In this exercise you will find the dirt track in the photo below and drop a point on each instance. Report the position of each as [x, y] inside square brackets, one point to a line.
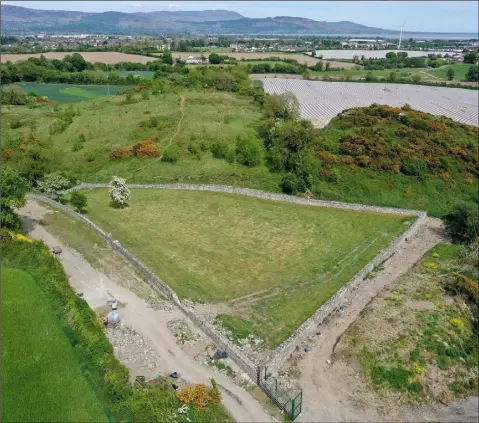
[331, 391]
[97, 288]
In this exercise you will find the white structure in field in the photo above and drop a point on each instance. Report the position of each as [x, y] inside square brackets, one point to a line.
[321, 101]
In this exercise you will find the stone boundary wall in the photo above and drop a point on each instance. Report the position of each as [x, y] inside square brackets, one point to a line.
[233, 351]
[277, 358]
[309, 327]
[264, 195]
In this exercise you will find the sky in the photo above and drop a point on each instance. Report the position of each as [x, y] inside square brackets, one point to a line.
[424, 16]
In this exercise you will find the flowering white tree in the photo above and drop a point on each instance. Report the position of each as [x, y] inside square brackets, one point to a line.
[118, 191]
[53, 184]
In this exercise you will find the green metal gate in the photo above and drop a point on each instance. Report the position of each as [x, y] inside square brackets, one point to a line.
[283, 399]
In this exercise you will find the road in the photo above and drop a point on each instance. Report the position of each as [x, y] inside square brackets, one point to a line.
[97, 288]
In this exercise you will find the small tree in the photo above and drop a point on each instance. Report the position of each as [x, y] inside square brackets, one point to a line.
[79, 201]
[470, 57]
[327, 66]
[14, 95]
[53, 184]
[472, 73]
[450, 74]
[167, 57]
[119, 192]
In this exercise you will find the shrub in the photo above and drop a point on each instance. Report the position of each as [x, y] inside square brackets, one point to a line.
[463, 223]
[219, 149]
[145, 95]
[120, 153]
[363, 161]
[78, 200]
[53, 183]
[14, 95]
[248, 152]
[200, 396]
[414, 167]
[77, 147]
[292, 184]
[282, 106]
[119, 192]
[16, 123]
[146, 148]
[170, 156]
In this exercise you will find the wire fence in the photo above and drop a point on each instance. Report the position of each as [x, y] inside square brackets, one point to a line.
[290, 404]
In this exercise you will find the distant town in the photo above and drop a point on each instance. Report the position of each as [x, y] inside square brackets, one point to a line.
[45, 42]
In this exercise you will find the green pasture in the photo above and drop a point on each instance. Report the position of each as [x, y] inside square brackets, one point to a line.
[41, 377]
[216, 247]
[460, 70]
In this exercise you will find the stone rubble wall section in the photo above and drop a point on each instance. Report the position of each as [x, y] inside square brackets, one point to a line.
[281, 354]
[233, 351]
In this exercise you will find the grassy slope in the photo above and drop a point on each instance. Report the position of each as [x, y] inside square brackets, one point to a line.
[407, 342]
[216, 247]
[108, 125]
[41, 378]
[460, 70]
[213, 116]
[368, 186]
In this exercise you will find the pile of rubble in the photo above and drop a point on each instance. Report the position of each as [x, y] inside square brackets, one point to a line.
[131, 349]
[159, 304]
[182, 332]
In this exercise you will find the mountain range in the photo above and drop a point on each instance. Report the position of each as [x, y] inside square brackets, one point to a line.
[15, 20]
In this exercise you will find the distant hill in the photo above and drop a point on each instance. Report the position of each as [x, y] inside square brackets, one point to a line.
[15, 19]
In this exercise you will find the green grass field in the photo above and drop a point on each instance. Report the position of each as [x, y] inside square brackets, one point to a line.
[460, 70]
[216, 247]
[65, 93]
[41, 378]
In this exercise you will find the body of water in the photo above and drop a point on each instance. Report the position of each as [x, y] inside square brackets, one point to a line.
[372, 54]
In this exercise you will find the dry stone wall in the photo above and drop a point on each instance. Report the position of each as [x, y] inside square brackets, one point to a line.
[264, 195]
[309, 327]
[277, 358]
[233, 351]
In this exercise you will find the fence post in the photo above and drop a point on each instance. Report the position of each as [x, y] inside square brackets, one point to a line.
[292, 409]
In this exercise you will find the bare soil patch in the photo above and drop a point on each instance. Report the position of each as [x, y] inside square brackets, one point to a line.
[108, 57]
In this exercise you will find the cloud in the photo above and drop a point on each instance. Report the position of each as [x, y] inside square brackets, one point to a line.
[137, 5]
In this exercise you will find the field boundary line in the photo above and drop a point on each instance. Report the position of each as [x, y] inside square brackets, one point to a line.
[274, 361]
[263, 195]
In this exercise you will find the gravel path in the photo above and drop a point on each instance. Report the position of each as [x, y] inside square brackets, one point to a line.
[150, 324]
[329, 390]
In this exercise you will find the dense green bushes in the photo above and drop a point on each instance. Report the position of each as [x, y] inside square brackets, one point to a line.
[108, 377]
[463, 223]
[99, 366]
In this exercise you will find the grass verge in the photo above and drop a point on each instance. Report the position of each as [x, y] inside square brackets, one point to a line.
[91, 351]
[41, 379]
